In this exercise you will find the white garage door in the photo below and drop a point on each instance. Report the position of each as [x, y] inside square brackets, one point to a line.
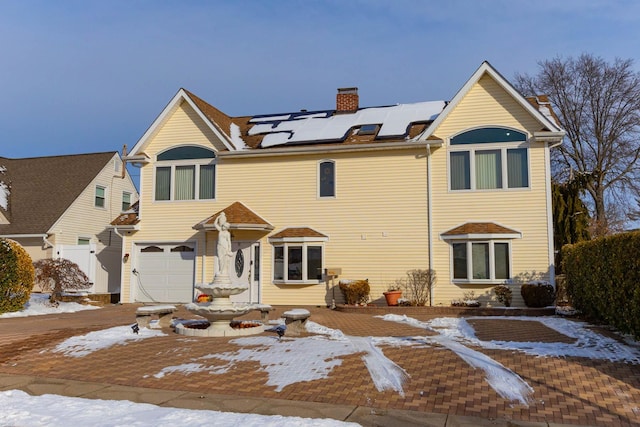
[165, 273]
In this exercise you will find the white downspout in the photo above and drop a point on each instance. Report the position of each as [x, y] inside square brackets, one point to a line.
[429, 219]
[47, 242]
[122, 253]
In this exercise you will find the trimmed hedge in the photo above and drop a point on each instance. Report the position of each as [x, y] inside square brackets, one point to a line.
[537, 295]
[16, 276]
[603, 279]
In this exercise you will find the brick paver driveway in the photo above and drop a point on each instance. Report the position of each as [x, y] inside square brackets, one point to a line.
[569, 390]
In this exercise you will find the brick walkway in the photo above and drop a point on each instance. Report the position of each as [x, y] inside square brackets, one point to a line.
[567, 390]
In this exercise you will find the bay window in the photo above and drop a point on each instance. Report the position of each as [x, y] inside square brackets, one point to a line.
[297, 263]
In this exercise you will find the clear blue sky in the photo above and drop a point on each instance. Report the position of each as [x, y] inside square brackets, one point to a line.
[88, 76]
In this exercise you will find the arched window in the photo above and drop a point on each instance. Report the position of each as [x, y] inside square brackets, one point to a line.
[185, 173]
[327, 178]
[488, 159]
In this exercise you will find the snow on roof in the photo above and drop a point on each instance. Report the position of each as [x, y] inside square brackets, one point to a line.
[320, 126]
[4, 191]
[236, 139]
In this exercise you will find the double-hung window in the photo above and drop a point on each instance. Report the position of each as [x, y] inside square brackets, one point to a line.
[185, 173]
[298, 259]
[100, 197]
[489, 159]
[126, 200]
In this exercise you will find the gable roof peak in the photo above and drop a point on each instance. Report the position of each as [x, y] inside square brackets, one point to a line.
[487, 69]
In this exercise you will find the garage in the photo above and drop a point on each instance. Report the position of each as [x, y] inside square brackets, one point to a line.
[164, 273]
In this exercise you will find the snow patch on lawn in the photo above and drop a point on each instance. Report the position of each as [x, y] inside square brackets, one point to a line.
[38, 305]
[82, 345]
[20, 409]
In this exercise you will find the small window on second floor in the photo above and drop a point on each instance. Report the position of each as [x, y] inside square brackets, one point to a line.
[126, 200]
[100, 197]
[327, 179]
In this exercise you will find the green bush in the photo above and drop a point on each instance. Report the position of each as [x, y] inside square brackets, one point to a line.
[355, 291]
[503, 294]
[603, 279]
[16, 276]
[539, 294]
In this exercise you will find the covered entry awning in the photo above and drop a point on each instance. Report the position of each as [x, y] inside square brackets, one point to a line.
[239, 217]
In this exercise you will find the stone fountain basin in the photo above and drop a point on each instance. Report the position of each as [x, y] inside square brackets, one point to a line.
[213, 313]
[220, 291]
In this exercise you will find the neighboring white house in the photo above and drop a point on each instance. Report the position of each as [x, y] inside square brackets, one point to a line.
[61, 206]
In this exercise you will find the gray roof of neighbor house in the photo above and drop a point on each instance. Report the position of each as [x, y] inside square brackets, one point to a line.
[42, 188]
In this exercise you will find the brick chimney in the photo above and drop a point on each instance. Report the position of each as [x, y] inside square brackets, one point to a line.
[347, 100]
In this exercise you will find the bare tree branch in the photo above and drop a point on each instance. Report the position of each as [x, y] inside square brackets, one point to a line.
[598, 105]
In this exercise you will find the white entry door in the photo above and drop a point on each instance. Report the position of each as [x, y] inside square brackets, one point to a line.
[244, 270]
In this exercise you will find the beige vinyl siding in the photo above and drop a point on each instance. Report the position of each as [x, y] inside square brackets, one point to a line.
[523, 210]
[184, 127]
[486, 104]
[366, 226]
[83, 220]
[377, 223]
[34, 246]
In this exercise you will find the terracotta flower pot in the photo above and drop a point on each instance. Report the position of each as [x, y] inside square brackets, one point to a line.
[392, 297]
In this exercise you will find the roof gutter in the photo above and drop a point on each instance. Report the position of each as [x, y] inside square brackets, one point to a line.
[300, 150]
[135, 227]
[44, 238]
[553, 138]
[232, 226]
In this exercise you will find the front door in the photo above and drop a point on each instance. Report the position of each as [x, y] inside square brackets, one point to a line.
[244, 270]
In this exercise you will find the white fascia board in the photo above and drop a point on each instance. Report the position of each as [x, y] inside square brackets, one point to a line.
[226, 140]
[485, 67]
[24, 236]
[481, 236]
[233, 226]
[162, 117]
[297, 239]
[134, 227]
[310, 149]
[166, 113]
[554, 138]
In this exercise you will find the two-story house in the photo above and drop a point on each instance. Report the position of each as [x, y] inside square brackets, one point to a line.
[460, 187]
[61, 207]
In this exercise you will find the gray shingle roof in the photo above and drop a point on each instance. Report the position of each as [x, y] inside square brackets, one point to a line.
[42, 188]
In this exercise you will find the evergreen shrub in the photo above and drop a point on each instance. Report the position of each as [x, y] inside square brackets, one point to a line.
[537, 295]
[603, 279]
[16, 276]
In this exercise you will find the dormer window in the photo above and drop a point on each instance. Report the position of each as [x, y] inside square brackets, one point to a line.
[185, 173]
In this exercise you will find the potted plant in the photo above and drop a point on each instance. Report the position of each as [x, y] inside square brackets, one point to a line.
[393, 294]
